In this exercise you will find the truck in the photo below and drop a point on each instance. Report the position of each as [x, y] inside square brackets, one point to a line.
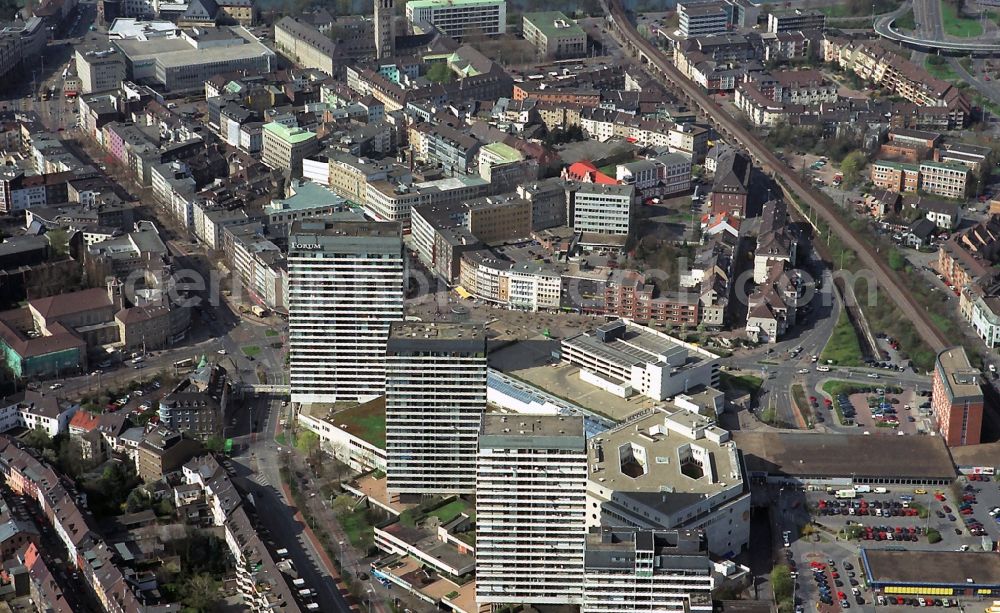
[881, 490]
[848, 493]
[862, 489]
[259, 311]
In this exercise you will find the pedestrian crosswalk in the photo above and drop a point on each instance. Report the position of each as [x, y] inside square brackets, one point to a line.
[261, 479]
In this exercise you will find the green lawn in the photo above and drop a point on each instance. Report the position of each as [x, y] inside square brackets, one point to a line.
[843, 348]
[270, 332]
[994, 16]
[365, 421]
[799, 395]
[357, 529]
[941, 71]
[251, 351]
[740, 384]
[906, 21]
[956, 25]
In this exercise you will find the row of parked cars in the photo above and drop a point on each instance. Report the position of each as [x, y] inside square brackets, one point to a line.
[916, 602]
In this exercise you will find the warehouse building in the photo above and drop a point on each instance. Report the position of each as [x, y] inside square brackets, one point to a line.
[932, 573]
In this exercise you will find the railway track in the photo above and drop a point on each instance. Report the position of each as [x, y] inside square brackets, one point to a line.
[652, 57]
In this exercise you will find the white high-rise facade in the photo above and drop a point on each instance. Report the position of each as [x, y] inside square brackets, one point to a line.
[345, 288]
[435, 398]
[653, 571]
[531, 508]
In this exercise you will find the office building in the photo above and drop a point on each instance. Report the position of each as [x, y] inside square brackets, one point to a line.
[385, 30]
[99, 69]
[624, 358]
[285, 147]
[602, 209]
[554, 35]
[794, 21]
[435, 387]
[947, 179]
[957, 398]
[185, 62]
[646, 570]
[345, 289]
[670, 471]
[531, 507]
[460, 18]
[702, 18]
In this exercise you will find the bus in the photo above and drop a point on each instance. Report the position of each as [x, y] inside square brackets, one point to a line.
[184, 363]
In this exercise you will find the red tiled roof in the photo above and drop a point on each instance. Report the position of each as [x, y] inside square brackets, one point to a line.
[587, 172]
[84, 420]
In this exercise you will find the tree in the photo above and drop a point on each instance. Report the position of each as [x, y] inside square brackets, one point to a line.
[138, 500]
[781, 583]
[852, 166]
[440, 72]
[933, 536]
[37, 438]
[201, 593]
[896, 260]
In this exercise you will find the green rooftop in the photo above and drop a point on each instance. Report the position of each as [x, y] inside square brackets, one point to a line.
[365, 421]
[897, 165]
[293, 136]
[946, 165]
[554, 24]
[433, 508]
[506, 153]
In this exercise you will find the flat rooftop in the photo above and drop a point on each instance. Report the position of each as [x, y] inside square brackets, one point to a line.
[967, 569]
[342, 228]
[532, 432]
[199, 46]
[432, 330]
[815, 455]
[554, 24]
[635, 345]
[958, 375]
[650, 457]
[365, 421]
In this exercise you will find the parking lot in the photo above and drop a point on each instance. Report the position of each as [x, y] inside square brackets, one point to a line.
[889, 413]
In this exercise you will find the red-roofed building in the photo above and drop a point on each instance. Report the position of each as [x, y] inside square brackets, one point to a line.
[83, 422]
[586, 172]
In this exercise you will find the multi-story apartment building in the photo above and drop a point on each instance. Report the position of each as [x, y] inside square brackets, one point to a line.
[554, 35]
[629, 569]
[285, 147]
[702, 18]
[460, 18]
[623, 358]
[527, 286]
[602, 209]
[970, 254]
[345, 289]
[531, 510]
[947, 179]
[629, 296]
[688, 139]
[701, 484]
[435, 396]
[957, 398]
[453, 149]
[239, 11]
[982, 310]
